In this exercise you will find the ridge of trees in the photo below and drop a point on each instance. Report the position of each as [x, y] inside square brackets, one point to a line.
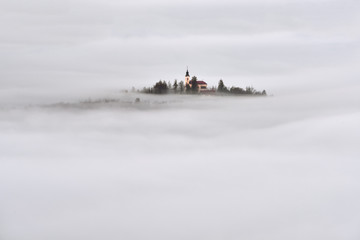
[161, 87]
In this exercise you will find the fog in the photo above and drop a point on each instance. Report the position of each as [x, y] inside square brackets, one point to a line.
[176, 167]
[81, 159]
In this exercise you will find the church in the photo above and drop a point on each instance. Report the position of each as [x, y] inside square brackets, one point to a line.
[202, 86]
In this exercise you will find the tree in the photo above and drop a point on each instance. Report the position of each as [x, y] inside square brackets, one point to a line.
[146, 90]
[263, 93]
[169, 85]
[175, 86]
[249, 90]
[194, 85]
[221, 87]
[181, 86]
[237, 90]
[160, 87]
[187, 88]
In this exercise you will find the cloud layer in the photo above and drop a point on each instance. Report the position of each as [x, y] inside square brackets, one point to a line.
[183, 167]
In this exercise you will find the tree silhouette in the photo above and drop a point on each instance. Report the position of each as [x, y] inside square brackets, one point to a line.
[160, 87]
[221, 87]
[194, 85]
[175, 86]
[237, 90]
[250, 90]
[181, 86]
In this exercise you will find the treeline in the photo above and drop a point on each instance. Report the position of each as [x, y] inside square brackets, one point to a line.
[163, 87]
[238, 90]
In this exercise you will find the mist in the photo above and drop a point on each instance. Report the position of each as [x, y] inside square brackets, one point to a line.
[81, 158]
[182, 167]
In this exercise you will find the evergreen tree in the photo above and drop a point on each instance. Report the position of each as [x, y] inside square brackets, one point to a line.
[221, 87]
[175, 86]
[249, 90]
[194, 85]
[160, 87]
[181, 86]
[237, 90]
[146, 90]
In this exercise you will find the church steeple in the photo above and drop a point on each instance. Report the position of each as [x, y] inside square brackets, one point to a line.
[187, 73]
[187, 77]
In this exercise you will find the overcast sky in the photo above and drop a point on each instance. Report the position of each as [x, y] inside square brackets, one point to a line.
[282, 46]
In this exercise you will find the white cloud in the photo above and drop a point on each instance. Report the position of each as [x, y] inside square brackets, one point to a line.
[195, 167]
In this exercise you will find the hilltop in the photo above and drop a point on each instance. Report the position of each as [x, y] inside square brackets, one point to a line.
[195, 86]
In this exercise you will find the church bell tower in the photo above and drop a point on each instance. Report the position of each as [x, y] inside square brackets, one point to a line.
[187, 77]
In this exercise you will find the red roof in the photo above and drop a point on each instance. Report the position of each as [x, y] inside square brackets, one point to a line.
[201, 82]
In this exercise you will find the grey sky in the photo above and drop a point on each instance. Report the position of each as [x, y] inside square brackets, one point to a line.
[48, 46]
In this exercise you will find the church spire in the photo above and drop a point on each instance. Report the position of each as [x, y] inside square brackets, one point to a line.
[187, 72]
[187, 77]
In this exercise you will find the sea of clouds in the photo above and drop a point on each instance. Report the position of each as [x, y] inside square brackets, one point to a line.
[81, 160]
[182, 167]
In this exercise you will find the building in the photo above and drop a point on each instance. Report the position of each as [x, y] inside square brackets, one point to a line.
[202, 86]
